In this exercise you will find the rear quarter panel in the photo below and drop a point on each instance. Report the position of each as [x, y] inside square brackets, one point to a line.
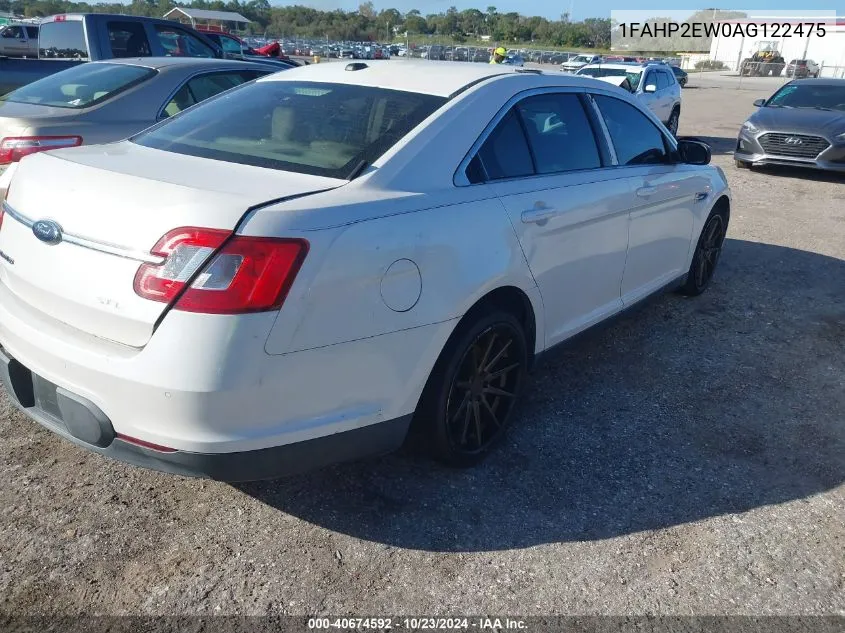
[448, 258]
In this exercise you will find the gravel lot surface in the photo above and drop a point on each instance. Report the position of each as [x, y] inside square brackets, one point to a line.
[689, 459]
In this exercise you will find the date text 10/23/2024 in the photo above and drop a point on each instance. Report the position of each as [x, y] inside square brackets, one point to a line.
[416, 624]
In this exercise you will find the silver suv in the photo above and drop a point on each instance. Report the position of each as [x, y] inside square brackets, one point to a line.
[653, 84]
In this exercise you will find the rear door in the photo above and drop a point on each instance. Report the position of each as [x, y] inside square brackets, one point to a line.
[651, 100]
[664, 94]
[665, 198]
[125, 38]
[569, 207]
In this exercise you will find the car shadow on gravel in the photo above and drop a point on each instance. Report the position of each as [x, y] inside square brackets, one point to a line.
[684, 410]
[718, 144]
[796, 173]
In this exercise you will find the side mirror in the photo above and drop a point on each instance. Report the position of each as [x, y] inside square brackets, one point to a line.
[759, 102]
[650, 88]
[694, 152]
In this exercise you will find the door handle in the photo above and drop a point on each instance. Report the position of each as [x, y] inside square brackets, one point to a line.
[540, 213]
[701, 195]
[645, 192]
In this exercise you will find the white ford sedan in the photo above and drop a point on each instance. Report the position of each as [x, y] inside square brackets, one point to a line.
[305, 268]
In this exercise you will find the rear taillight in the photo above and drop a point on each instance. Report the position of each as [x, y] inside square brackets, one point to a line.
[247, 274]
[13, 148]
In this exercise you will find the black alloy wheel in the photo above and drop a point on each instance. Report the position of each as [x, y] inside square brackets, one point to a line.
[474, 389]
[706, 255]
[674, 120]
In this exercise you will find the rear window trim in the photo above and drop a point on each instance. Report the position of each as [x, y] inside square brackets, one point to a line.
[150, 73]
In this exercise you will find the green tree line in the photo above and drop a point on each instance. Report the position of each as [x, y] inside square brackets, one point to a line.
[364, 24]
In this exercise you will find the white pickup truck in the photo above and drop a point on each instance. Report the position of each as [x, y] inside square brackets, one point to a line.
[19, 40]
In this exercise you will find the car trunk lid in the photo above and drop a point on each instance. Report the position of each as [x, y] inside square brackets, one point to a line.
[112, 204]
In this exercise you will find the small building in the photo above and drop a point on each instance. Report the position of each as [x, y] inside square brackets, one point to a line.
[826, 47]
[222, 21]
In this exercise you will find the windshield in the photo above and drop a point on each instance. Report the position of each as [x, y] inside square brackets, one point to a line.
[80, 86]
[598, 71]
[582, 59]
[824, 97]
[322, 129]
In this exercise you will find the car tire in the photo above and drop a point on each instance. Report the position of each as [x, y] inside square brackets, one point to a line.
[706, 255]
[458, 420]
[674, 121]
[742, 164]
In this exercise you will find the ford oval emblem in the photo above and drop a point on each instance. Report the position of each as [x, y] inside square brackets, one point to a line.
[47, 231]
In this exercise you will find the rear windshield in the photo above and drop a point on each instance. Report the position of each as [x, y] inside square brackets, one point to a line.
[322, 129]
[80, 86]
[62, 40]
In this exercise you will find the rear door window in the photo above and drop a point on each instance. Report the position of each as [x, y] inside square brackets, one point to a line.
[179, 43]
[204, 87]
[32, 32]
[128, 39]
[505, 153]
[62, 40]
[559, 133]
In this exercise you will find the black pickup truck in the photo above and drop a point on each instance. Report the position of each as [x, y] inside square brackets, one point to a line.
[67, 40]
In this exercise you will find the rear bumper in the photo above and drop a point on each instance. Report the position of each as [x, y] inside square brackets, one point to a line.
[80, 421]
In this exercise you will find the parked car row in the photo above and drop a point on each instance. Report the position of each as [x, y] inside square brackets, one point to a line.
[71, 39]
[102, 102]
[203, 296]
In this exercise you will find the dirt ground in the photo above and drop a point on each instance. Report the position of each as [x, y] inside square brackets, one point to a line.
[688, 460]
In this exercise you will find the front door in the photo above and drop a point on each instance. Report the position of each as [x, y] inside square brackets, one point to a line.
[664, 201]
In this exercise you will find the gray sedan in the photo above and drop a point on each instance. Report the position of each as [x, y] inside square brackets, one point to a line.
[801, 125]
[101, 102]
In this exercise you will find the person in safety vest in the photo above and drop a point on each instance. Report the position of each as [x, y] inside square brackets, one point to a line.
[498, 56]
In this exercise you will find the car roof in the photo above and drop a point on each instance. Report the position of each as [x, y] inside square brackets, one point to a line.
[160, 63]
[824, 81]
[444, 79]
[617, 66]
